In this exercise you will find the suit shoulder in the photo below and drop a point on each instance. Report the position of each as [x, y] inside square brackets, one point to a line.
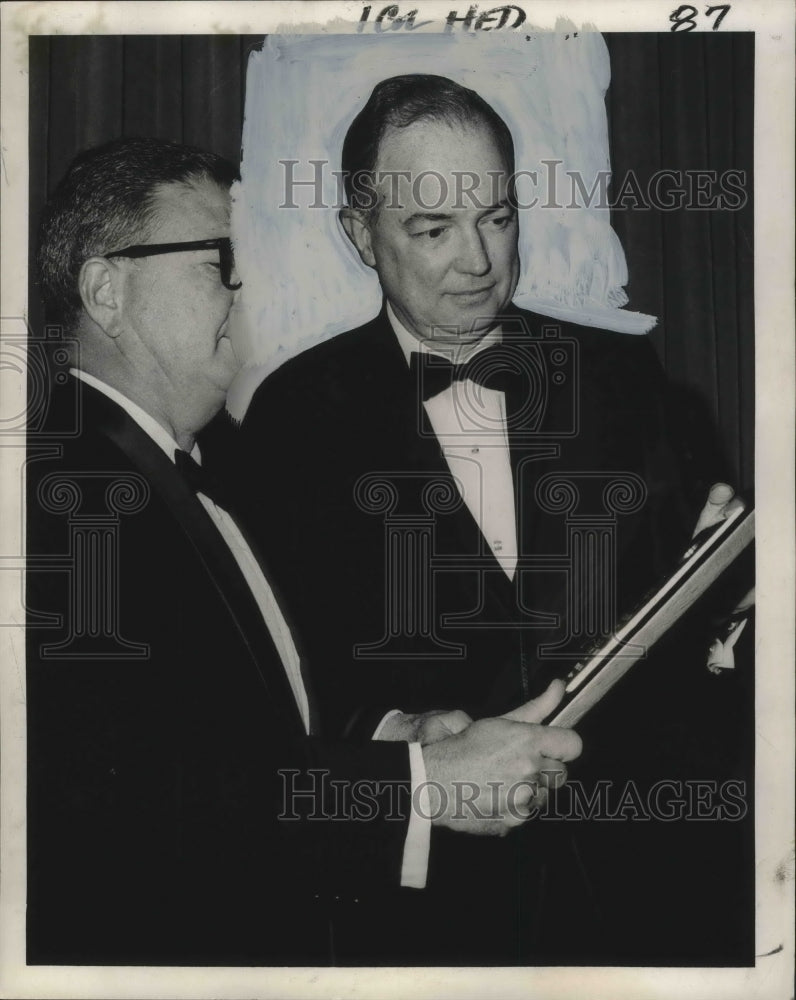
[599, 348]
[589, 335]
[72, 422]
[322, 374]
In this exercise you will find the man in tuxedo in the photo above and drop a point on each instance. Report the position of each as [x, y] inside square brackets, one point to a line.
[477, 492]
[183, 807]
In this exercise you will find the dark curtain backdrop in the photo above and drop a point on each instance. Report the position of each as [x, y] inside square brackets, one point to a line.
[676, 102]
[685, 102]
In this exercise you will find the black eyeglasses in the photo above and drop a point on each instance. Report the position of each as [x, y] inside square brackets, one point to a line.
[223, 244]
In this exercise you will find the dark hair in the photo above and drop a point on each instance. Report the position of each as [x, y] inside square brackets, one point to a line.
[105, 202]
[403, 100]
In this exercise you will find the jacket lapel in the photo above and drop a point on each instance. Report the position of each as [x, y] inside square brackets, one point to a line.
[192, 520]
[415, 447]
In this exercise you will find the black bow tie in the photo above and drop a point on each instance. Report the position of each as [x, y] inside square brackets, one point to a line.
[496, 368]
[200, 480]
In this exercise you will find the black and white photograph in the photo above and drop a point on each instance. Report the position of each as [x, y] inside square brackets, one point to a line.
[397, 489]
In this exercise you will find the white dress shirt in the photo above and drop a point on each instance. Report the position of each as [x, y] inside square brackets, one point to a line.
[469, 422]
[418, 838]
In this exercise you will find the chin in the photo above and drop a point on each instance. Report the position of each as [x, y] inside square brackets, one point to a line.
[474, 326]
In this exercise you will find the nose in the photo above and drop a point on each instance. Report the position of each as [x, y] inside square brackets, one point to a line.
[473, 257]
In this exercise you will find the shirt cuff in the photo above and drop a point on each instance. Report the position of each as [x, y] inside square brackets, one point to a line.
[389, 715]
[414, 869]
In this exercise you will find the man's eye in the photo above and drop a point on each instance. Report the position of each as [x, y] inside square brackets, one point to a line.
[431, 234]
[501, 221]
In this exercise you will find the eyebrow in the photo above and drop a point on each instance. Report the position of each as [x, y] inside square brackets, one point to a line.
[447, 216]
[426, 217]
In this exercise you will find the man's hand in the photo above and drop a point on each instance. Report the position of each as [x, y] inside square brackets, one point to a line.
[487, 778]
[720, 504]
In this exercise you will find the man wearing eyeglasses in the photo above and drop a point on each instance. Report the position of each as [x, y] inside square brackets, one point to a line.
[182, 808]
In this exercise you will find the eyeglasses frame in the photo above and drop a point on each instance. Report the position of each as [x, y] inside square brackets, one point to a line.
[223, 244]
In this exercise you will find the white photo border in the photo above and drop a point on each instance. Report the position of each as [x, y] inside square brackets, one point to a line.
[772, 21]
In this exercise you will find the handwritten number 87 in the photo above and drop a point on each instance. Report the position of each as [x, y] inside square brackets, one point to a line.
[683, 17]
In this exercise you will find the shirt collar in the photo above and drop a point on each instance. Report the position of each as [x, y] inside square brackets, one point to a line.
[456, 353]
[145, 421]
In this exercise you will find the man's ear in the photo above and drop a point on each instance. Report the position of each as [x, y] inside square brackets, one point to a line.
[98, 286]
[357, 229]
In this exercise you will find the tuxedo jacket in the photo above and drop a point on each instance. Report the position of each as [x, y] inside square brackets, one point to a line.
[163, 737]
[339, 454]
[352, 497]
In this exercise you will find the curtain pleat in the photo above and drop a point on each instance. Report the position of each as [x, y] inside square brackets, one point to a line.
[721, 151]
[635, 139]
[743, 249]
[212, 93]
[685, 103]
[86, 96]
[38, 161]
[153, 91]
